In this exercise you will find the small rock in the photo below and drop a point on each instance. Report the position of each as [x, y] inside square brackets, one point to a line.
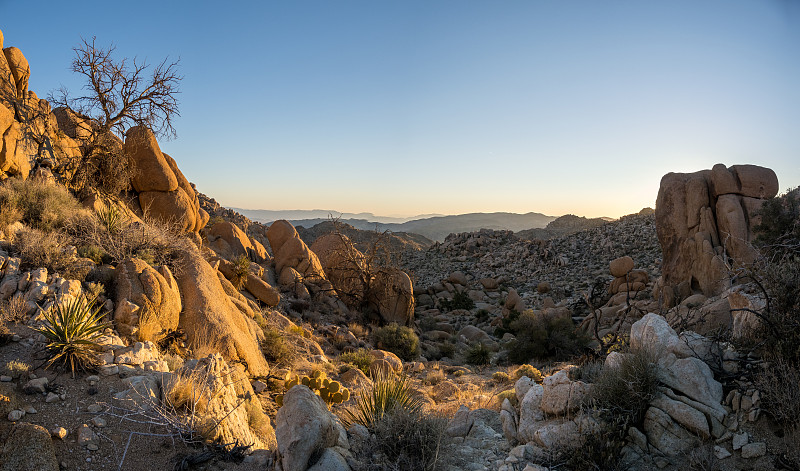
[98, 421]
[754, 450]
[16, 415]
[95, 408]
[15, 338]
[52, 397]
[93, 378]
[85, 435]
[740, 440]
[31, 410]
[754, 415]
[59, 432]
[37, 385]
[259, 386]
[92, 447]
[5, 379]
[721, 452]
[108, 370]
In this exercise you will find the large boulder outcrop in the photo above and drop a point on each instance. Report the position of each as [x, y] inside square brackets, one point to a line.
[163, 192]
[210, 317]
[148, 301]
[705, 220]
[13, 161]
[296, 265]
[20, 70]
[229, 242]
[392, 295]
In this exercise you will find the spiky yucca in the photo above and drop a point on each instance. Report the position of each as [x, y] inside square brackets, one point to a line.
[112, 218]
[388, 393]
[241, 269]
[71, 331]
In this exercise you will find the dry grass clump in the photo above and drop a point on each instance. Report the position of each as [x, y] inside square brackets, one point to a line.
[17, 368]
[434, 377]
[187, 392]
[37, 249]
[509, 394]
[501, 377]
[275, 347]
[14, 309]
[36, 204]
[357, 329]
[780, 392]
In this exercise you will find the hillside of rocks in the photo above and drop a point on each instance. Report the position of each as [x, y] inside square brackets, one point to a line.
[145, 326]
[560, 226]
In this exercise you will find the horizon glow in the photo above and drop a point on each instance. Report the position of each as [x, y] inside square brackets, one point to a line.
[451, 107]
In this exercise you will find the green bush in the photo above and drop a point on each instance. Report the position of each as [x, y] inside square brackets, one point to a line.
[529, 371]
[478, 354]
[460, 301]
[400, 340]
[360, 358]
[275, 348]
[779, 229]
[93, 253]
[542, 337]
[71, 331]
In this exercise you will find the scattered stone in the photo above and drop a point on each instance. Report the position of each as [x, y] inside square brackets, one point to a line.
[16, 415]
[52, 397]
[721, 452]
[94, 408]
[754, 450]
[740, 440]
[36, 386]
[59, 432]
[98, 421]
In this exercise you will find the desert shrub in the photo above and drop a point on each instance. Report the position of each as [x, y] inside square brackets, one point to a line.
[509, 394]
[780, 392]
[275, 348]
[460, 301]
[71, 332]
[779, 229]
[529, 371]
[434, 377]
[427, 323]
[597, 449]
[241, 269]
[155, 242]
[400, 340]
[407, 440]
[360, 358]
[93, 253]
[501, 377]
[478, 354]
[588, 371]
[625, 391]
[358, 330]
[543, 337]
[13, 309]
[37, 249]
[38, 205]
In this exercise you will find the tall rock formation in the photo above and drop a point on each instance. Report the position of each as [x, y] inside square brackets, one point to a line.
[705, 222]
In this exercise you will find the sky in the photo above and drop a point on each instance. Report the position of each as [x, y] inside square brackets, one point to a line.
[449, 107]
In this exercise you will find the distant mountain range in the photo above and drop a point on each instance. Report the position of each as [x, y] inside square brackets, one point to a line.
[266, 216]
[434, 227]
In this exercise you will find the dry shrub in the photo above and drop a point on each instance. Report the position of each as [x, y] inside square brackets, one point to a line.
[434, 377]
[626, 390]
[151, 240]
[360, 358]
[400, 340]
[780, 393]
[544, 337]
[39, 205]
[529, 371]
[501, 377]
[410, 440]
[357, 329]
[14, 310]
[275, 347]
[48, 249]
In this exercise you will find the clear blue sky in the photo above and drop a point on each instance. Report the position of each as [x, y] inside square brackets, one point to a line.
[411, 107]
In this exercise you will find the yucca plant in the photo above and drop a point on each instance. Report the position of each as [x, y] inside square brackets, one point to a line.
[388, 394]
[241, 269]
[71, 331]
[112, 218]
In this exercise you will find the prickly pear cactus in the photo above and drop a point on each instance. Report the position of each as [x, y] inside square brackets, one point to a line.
[332, 392]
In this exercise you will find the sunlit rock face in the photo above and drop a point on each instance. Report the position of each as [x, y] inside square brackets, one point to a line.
[705, 224]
